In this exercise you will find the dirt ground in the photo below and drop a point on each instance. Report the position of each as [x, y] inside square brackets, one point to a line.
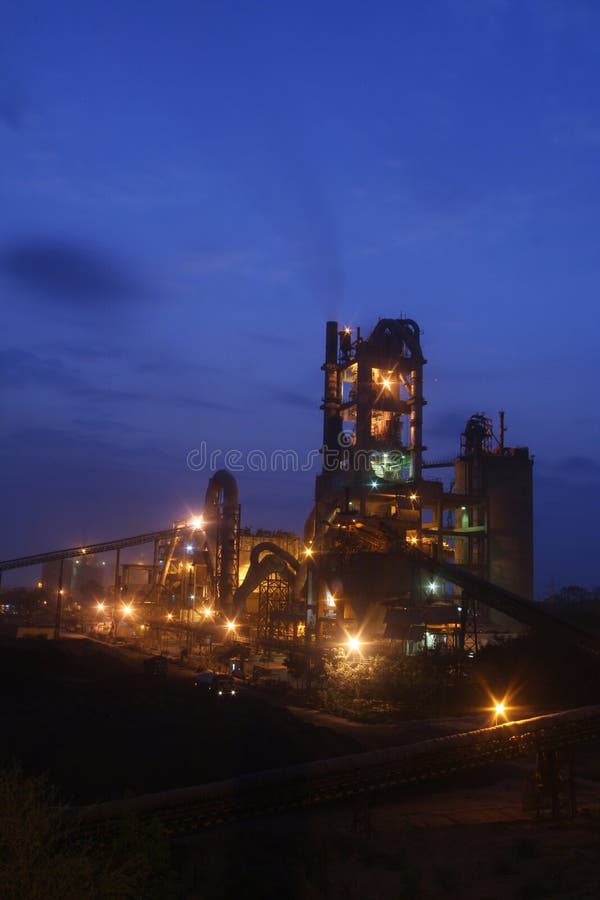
[469, 839]
[89, 718]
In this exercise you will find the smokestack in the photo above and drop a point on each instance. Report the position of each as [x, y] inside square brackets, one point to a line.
[331, 398]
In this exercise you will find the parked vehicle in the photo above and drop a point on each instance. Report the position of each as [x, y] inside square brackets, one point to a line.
[214, 684]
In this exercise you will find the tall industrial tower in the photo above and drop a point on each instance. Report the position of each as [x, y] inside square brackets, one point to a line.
[373, 498]
[373, 403]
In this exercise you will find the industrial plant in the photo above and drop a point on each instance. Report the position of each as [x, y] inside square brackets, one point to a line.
[430, 554]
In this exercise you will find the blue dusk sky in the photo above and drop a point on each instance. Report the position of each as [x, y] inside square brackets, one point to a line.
[188, 191]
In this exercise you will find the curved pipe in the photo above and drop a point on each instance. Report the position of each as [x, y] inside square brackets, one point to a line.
[406, 330]
[222, 481]
[259, 571]
[275, 550]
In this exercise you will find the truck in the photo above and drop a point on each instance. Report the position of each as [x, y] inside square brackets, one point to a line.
[214, 684]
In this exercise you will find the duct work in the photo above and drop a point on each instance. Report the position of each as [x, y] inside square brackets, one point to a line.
[265, 558]
[221, 517]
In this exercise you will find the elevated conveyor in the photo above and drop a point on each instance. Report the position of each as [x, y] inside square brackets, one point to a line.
[22, 562]
[191, 809]
[498, 598]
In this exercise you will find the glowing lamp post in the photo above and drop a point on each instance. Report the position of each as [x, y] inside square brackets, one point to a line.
[500, 709]
[353, 645]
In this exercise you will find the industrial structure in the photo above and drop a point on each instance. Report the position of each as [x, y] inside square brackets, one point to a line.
[389, 553]
[374, 501]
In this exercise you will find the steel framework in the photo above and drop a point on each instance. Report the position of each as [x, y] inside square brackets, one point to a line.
[275, 609]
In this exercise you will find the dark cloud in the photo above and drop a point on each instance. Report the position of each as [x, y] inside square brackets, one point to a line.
[93, 426]
[22, 369]
[92, 394]
[199, 403]
[64, 489]
[68, 273]
[292, 398]
[160, 365]
[49, 445]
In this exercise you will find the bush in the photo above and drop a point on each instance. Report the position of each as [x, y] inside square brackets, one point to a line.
[376, 685]
[42, 857]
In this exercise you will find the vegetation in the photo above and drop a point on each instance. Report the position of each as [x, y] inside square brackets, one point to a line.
[371, 686]
[535, 670]
[41, 856]
[576, 605]
[531, 670]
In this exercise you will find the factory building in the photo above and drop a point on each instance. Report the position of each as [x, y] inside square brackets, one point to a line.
[375, 497]
[395, 548]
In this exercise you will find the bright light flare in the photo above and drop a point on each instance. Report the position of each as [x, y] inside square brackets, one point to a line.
[127, 609]
[100, 607]
[500, 709]
[231, 626]
[353, 645]
[169, 617]
[196, 522]
[308, 551]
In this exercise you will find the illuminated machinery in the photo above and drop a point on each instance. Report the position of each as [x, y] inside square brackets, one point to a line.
[197, 567]
[200, 565]
[268, 597]
[372, 503]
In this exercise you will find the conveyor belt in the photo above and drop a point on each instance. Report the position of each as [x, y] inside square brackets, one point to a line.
[192, 809]
[22, 562]
[517, 608]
